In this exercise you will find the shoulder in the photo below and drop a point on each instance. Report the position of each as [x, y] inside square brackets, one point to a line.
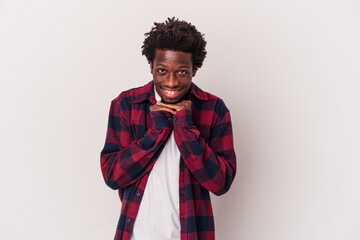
[126, 98]
[209, 102]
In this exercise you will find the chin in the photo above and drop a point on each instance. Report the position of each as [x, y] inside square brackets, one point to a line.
[171, 101]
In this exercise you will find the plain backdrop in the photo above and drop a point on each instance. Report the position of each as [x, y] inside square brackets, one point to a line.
[288, 71]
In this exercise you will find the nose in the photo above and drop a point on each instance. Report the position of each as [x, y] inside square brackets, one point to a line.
[171, 81]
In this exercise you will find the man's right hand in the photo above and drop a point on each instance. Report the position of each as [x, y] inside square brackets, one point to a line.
[157, 107]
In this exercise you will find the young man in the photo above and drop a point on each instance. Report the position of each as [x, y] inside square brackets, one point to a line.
[169, 143]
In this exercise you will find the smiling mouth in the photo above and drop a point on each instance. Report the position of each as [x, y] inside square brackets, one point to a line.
[171, 93]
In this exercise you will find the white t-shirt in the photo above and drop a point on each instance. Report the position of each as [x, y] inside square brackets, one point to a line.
[158, 216]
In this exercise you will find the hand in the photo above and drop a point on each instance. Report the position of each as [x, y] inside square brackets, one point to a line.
[171, 108]
[183, 105]
[158, 107]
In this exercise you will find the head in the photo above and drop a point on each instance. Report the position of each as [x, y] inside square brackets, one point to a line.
[175, 50]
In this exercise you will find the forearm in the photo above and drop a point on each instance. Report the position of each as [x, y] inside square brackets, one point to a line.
[212, 164]
[124, 160]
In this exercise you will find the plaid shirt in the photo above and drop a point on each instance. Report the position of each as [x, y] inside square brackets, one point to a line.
[135, 138]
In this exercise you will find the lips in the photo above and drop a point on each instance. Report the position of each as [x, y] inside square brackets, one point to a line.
[170, 93]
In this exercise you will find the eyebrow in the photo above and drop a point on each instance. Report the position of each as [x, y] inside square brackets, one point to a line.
[182, 66]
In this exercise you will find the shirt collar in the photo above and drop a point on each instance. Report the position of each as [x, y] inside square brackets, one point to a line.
[149, 93]
[157, 96]
[198, 93]
[146, 94]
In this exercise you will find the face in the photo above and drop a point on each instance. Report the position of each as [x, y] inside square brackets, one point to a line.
[172, 72]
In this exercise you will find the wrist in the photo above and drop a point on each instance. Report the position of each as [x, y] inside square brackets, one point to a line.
[161, 119]
[183, 119]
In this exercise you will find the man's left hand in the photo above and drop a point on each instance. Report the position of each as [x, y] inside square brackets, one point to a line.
[183, 105]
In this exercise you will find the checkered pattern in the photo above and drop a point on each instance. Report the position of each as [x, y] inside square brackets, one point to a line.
[135, 138]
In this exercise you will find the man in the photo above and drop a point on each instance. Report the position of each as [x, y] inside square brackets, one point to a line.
[169, 143]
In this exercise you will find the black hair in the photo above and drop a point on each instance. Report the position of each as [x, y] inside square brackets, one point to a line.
[175, 35]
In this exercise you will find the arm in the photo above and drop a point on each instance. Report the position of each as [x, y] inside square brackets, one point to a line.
[212, 164]
[124, 161]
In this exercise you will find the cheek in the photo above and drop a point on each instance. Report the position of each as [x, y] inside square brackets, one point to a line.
[187, 82]
[157, 81]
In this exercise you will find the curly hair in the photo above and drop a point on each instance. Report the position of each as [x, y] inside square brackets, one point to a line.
[175, 35]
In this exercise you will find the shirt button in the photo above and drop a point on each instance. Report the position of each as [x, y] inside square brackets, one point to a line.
[129, 220]
[138, 194]
[169, 118]
[175, 118]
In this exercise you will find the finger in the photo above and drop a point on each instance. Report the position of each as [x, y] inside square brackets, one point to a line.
[164, 108]
[172, 106]
[172, 111]
[184, 103]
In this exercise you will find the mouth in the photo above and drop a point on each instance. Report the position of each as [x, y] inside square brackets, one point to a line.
[171, 93]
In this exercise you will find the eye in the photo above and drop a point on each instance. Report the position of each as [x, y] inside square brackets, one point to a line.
[161, 70]
[182, 71]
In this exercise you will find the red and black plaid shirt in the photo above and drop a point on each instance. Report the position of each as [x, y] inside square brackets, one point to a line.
[135, 138]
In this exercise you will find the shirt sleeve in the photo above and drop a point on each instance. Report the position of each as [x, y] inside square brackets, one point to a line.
[123, 160]
[212, 164]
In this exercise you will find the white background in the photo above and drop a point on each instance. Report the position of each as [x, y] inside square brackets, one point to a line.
[289, 72]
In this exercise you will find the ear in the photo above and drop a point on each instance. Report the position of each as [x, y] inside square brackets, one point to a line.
[194, 71]
[151, 67]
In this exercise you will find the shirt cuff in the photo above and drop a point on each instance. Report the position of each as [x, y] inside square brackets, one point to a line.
[161, 119]
[183, 119]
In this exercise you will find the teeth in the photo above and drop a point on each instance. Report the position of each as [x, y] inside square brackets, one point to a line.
[170, 92]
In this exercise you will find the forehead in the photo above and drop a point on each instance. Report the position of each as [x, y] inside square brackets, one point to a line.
[169, 57]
